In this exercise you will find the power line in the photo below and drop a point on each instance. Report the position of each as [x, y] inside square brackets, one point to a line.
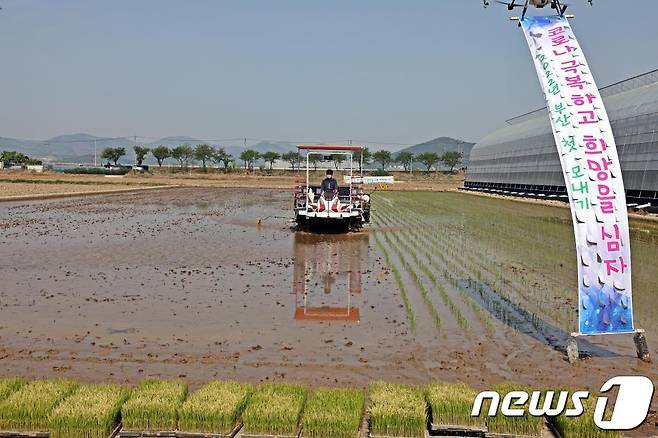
[134, 140]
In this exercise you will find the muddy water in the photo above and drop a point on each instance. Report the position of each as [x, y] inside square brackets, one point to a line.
[184, 282]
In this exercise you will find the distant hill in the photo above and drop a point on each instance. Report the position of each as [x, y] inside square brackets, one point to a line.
[268, 146]
[441, 145]
[172, 142]
[75, 148]
[28, 147]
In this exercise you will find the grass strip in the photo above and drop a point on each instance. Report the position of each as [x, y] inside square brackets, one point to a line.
[27, 409]
[274, 409]
[214, 408]
[153, 406]
[451, 404]
[333, 413]
[9, 385]
[397, 410]
[527, 424]
[93, 411]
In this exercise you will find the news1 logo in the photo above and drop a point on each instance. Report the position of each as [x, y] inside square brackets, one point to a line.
[630, 408]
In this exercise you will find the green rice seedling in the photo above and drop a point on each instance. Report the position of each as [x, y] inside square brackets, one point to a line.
[8, 385]
[214, 408]
[526, 425]
[333, 413]
[274, 409]
[90, 412]
[397, 410]
[28, 408]
[451, 404]
[153, 406]
[582, 426]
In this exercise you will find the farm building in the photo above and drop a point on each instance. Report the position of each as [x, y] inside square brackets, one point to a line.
[521, 158]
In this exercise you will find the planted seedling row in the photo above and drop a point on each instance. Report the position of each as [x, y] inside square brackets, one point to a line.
[417, 282]
[447, 301]
[461, 320]
[469, 300]
[473, 263]
[446, 267]
[481, 234]
[439, 285]
[411, 319]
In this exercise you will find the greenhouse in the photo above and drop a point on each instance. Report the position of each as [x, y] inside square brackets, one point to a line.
[521, 158]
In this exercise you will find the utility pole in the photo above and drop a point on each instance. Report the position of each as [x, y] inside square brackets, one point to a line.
[95, 153]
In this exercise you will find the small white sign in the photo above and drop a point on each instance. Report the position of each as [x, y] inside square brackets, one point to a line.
[370, 179]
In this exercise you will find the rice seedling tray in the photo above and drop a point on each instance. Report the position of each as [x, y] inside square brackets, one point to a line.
[179, 434]
[231, 434]
[8, 434]
[298, 435]
[511, 435]
[427, 435]
[135, 434]
[457, 430]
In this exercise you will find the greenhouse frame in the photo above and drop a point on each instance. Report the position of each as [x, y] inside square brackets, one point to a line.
[521, 158]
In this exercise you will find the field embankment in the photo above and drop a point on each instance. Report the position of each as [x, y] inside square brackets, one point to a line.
[24, 185]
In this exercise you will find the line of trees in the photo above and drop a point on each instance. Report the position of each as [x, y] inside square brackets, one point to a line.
[206, 154]
[184, 154]
[430, 160]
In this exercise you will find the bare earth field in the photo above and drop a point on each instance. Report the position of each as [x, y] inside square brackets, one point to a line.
[182, 282]
[14, 184]
[11, 191]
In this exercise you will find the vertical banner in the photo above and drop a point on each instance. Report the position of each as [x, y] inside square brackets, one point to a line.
[592, 175]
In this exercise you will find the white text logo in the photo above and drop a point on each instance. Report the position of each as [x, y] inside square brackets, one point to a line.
[630, 409]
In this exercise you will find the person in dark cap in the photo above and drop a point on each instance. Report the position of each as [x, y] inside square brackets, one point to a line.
[329, 184]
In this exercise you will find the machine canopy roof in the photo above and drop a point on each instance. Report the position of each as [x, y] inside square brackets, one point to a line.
[328, 147]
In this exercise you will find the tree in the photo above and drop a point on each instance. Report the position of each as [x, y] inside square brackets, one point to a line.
[293, 158]
[314, 160]
[204, 153]
[270, 157]
[406, 159]
[429, 159]
[338, 160]
[161, 153]
[113, 154]
[183, 154]
[363, 157]
[221, 156]
[249, 156]
[11, 158]
[382, 157]
[452, 159]
[140, 153]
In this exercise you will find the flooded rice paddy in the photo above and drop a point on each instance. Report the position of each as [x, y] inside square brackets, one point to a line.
[184, 282]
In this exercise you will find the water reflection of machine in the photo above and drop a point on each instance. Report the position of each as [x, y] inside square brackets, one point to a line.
[327, 275]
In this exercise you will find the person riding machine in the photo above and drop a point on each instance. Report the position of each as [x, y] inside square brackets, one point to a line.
[326, 205]
[329, 193]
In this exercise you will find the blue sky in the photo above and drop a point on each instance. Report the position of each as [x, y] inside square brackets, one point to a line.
[300, 70]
